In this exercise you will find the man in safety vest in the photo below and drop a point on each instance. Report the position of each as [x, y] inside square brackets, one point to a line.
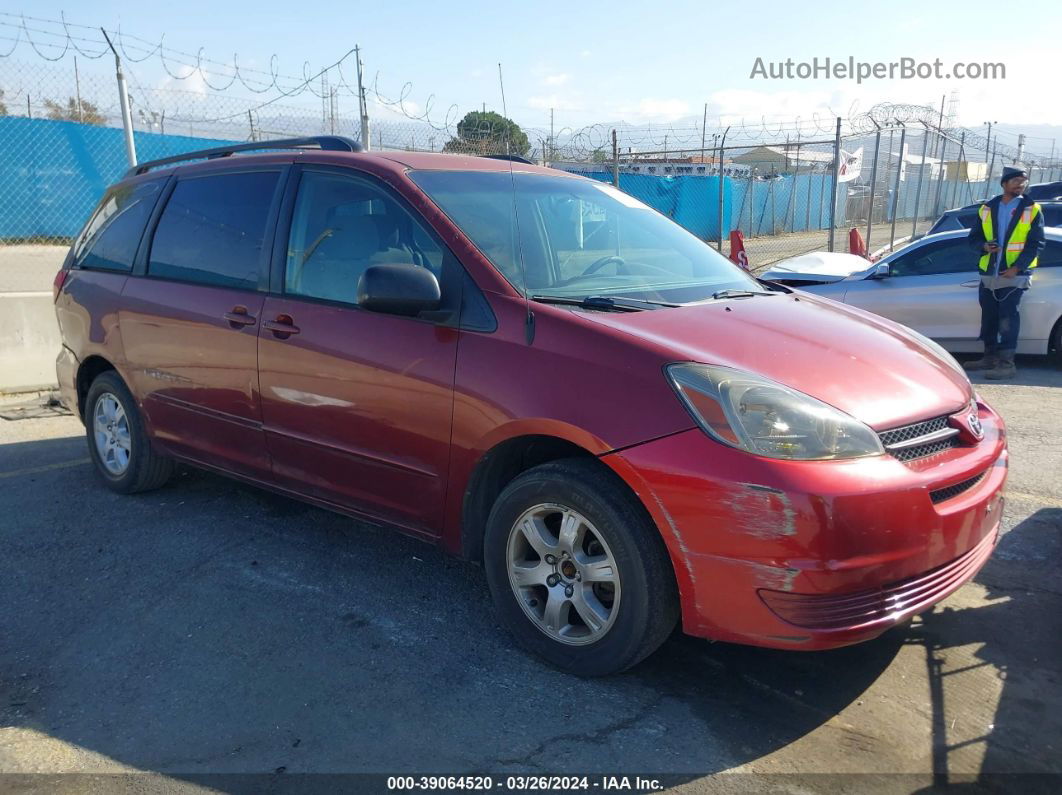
[1009, 235]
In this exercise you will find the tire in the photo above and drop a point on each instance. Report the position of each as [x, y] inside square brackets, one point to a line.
[617, 573]
[119, 445]
[1054, 347]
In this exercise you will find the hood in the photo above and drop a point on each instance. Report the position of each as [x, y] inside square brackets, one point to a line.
[818, 266]
[869, 367]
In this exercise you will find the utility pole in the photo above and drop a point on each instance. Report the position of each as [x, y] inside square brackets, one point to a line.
[719, 206]
[988, 140]
[615, 161]
[77, 89]
[836, 176]
[896, 188]
[123, 98]
[1021, 147]
[704, 129]
[921, 176]
[551, 143]
[940, 124]
[363, 108]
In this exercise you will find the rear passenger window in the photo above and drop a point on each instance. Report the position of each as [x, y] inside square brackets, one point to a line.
[213, 228]
[110, 238]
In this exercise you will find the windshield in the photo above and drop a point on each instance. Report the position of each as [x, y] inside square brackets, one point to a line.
[579, 237]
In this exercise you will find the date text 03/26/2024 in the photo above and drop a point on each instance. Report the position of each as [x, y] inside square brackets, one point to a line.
[540, 783]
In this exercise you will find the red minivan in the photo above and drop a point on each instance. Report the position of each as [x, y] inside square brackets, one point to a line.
[539, 373]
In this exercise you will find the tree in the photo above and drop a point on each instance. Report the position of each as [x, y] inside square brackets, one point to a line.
[89, 113]
[3, 107]
[480, 133]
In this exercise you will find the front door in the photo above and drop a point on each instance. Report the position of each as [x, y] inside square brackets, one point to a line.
[931, 288]
[190, 323]
[357, 405]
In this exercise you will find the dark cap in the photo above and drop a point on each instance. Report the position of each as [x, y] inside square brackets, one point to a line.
[1010, 172]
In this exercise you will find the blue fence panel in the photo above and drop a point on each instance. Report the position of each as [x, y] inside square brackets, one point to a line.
[52, 173]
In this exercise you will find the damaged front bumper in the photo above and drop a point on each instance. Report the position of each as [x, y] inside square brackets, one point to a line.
[817, 554]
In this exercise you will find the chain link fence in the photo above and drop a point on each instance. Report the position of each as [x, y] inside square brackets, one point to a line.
[62, 142]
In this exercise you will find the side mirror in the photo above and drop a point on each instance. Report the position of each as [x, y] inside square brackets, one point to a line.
[881, 271]
[399, 290]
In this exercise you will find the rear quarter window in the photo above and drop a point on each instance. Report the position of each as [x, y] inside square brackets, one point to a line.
[110, 239]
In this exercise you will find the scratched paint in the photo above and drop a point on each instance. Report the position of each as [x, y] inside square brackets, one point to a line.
[763, 512]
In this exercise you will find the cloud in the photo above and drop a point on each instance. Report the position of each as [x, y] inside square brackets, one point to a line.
[653, 109]
[585, 54]
[190, 80]
[556, 80]
[554, 101]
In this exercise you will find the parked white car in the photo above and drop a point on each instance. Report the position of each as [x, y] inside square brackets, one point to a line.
[930, 285]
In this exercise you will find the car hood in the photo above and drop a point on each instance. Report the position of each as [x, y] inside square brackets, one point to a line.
[875, 370]
[818, 266]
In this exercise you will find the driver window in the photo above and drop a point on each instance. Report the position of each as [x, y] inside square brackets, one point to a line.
[945, 256]
[340, 227]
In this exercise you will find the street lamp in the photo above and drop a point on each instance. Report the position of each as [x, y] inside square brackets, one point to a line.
[988, 140]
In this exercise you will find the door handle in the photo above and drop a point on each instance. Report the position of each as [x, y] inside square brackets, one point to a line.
[239, 317]
[282, 328]
[971, 283]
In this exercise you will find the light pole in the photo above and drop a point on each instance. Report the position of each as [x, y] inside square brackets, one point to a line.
[988, 140]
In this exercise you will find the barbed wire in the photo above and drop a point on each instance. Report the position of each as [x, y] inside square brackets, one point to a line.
[53, 40]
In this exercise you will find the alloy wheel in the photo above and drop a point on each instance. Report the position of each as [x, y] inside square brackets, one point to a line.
[563, 573]
[110, 427]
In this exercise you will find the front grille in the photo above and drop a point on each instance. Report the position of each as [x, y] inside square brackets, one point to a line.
[925, 450]
[889, 603]
[918, 430]
[954, 491]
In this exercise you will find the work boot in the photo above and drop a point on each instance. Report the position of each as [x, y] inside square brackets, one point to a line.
[987, 362]
[1004, 368]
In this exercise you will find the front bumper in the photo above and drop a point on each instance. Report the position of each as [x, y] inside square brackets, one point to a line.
[814, 555]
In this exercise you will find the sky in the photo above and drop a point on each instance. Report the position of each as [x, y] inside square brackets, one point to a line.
[606, 62]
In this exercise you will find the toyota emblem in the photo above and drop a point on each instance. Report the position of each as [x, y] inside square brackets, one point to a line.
[975, 425]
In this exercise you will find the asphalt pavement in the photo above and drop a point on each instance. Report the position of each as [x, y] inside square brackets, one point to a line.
[211, 628]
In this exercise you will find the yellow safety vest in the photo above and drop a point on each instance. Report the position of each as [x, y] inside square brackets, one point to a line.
[1017, 237]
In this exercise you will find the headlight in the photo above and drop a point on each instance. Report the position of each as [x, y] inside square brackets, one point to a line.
[766, 418]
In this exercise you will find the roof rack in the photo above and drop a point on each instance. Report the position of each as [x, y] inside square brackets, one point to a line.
[513, 158]
[330, 143]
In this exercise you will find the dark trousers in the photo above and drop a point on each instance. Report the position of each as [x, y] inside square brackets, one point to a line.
[1000, 321]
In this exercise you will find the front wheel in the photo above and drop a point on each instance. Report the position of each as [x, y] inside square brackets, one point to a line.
[577, 570]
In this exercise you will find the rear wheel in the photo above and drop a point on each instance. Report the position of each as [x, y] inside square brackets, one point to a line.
[578, 573]
[117, 441]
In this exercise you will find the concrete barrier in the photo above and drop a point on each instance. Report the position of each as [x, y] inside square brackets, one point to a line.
[29, 341]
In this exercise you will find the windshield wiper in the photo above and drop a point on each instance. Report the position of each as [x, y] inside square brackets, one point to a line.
[606, 302]
[739, 293]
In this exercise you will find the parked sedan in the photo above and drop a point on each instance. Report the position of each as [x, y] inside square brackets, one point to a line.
[966, 217]
[931, 286]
